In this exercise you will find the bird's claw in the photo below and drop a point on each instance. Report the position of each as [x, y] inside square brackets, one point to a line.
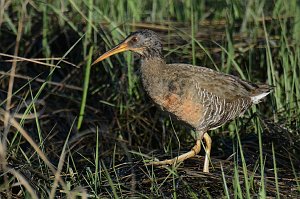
[156, 162]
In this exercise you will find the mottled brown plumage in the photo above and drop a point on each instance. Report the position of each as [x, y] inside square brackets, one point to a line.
[202, 98]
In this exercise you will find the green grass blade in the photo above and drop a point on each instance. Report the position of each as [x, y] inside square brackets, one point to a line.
[85, 88]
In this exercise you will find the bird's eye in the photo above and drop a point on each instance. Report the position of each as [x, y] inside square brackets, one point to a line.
[134, 39]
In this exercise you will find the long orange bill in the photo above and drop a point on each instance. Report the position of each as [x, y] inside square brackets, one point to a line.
[119, 48]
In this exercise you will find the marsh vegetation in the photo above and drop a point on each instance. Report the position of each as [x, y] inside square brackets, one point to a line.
[71, 130]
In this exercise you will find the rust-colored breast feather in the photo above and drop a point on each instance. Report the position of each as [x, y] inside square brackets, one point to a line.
[185, 109]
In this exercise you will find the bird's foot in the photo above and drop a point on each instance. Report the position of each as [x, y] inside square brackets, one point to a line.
[195, 150]
[156, 162]
[192, 153]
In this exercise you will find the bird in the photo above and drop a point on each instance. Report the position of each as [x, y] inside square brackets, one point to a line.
[200, 97]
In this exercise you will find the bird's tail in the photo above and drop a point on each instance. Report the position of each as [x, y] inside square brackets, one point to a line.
[260, 92]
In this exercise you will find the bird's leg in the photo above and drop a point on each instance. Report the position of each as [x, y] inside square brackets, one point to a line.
[207, 152]
[194, 151]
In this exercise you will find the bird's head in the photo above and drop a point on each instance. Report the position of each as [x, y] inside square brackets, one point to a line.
[144, 42]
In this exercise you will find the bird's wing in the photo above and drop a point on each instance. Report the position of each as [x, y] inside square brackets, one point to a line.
[225, 86]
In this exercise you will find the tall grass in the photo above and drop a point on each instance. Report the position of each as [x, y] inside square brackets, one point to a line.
[259, 42]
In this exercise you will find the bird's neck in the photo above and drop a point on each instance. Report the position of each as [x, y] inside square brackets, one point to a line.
[152, 72]
[152, 66]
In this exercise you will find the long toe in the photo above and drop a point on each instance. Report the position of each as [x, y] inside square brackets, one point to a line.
[195, 150]
[163, 162]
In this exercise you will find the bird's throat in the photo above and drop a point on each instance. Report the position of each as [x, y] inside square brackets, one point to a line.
[152, 72]
[152, 67]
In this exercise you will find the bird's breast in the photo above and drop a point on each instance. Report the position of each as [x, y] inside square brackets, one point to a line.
[183, 108]
[176, 97]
